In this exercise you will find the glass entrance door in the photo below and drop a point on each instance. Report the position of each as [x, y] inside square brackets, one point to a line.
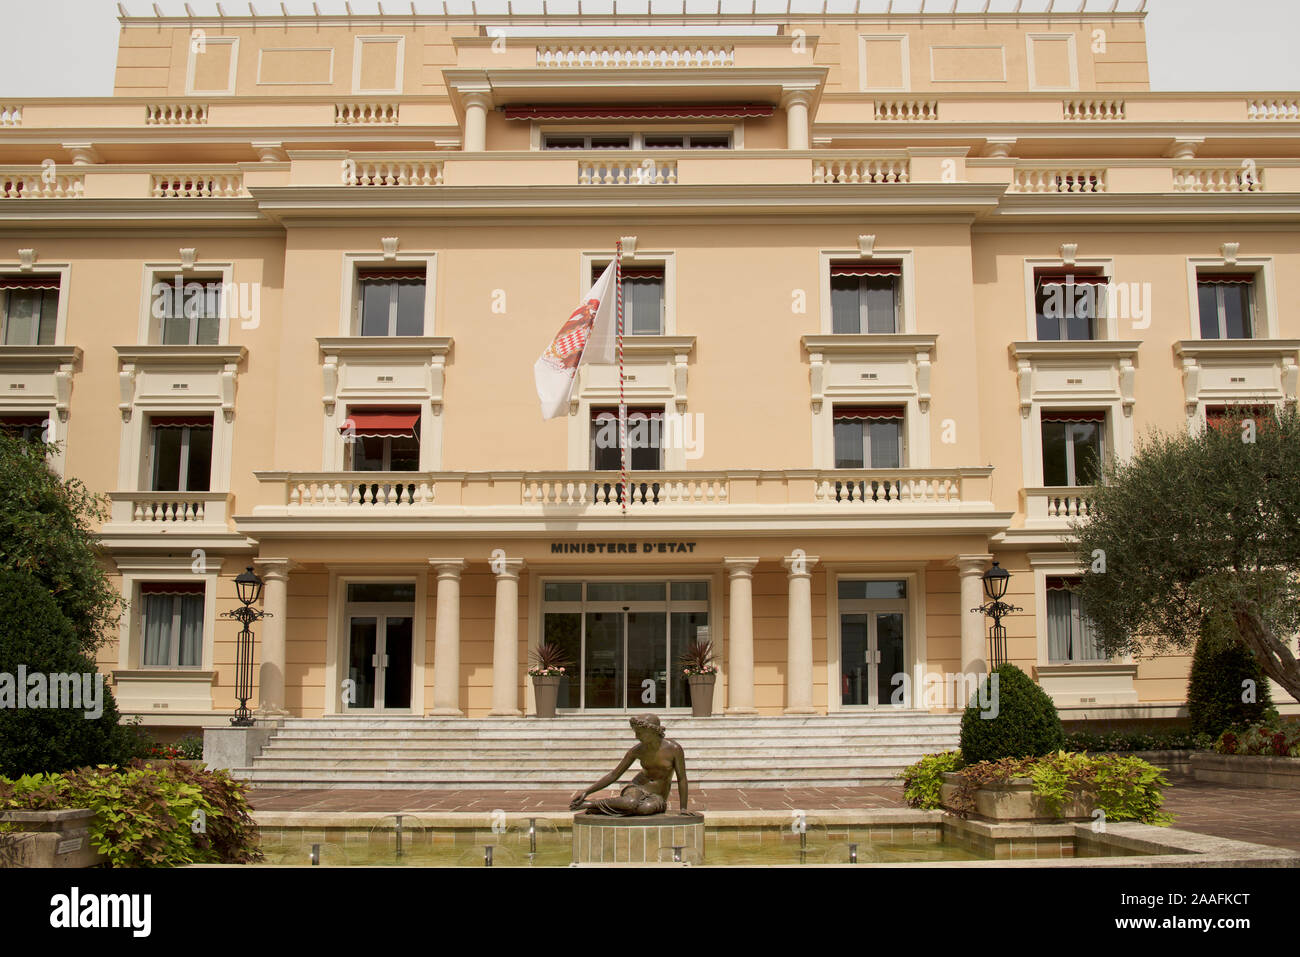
[626, 660]
[873, 641]
[379, 655]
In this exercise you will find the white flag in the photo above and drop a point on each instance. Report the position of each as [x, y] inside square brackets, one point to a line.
[589, 335]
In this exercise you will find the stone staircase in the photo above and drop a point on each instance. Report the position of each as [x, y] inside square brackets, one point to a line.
[572, 752]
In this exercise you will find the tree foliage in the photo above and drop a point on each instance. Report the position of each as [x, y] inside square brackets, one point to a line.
[47, 530]
[1223, 671]
[1025, 724]
[1200, 532]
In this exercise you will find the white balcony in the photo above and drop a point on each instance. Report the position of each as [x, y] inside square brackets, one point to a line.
[1057, 508]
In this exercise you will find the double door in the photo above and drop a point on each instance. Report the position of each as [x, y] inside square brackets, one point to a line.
[379, 660]
[872, 656]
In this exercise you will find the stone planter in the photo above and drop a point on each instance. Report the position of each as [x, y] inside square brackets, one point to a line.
[49, 839]
[545, 690]
[1247, 770]
[1015, 800]
[701, 694]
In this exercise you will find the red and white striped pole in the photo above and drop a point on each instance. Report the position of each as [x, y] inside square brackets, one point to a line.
[622, 402]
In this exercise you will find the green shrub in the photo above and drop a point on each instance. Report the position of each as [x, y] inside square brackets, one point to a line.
[1123, 788]
[922, 780]
[149, 814]
[1178, 739]
[1274, 739]
[191, 747]
[1024, 724]
[37, 638]
[1221, 667]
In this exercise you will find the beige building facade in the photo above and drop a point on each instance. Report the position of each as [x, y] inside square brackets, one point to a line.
[895, 284]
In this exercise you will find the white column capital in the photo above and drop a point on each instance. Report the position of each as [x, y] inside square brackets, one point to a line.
[968, 565]
[274, 569]
[506, 567]
[740, 567]
[447, 567]
[799, 565]
[795, 96]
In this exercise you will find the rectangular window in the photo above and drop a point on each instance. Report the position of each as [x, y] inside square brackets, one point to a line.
[180, 453]
[1073, 445]
[644, 439]
[636, 141]
[190, 310]
[1227, 305]
[171, 625]
[865, 297]
[382, 440]
[1070, 632]
[29, 310]
[868, 437]
[1070, 304]
[29, 428]
[643, 298]
[390, 302]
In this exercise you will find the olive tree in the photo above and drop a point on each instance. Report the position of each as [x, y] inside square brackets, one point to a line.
[1200, 533]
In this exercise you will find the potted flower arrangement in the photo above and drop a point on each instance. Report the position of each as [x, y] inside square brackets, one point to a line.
[549, 661]
[701, 674]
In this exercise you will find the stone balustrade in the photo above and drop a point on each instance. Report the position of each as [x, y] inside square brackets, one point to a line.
[627, 172]
[1093, 109]
[1219, 178]
[835, 170]
[196, 185]
[176, 114]
[1040, 179]
[640, 56]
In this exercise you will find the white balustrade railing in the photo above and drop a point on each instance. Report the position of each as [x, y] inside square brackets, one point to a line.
[41, 185]
[905, 110]
[11, 115]
[1093, 109]
[1056, 180]
[1057, 506]
[393, 173]
[1246, 178]
[176, 114]
[196, 185]
[1273, 109]
[639, 56]
[169, 508]
[600, 489]
[886, 488]
[627, 172]
[359, 490]
[365, 114]
[861, 170]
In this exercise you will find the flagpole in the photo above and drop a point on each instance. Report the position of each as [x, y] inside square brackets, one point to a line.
[622, 401]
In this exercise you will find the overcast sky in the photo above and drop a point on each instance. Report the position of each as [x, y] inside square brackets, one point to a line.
[68, 47]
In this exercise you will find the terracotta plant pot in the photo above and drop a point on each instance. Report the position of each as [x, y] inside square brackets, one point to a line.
[545, 690]
[701, 694]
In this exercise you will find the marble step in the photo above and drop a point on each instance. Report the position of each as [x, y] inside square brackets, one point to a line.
[692, 740]
[888, 717]
[846, 750]
[594, 765]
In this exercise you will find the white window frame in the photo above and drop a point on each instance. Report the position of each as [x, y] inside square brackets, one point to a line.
[151, 451]
[663, 414]
[174, 645]
[150, 330]
[392, 307]
[359, 43]
[863, 313]
[64, 271]
[159, 570]
[350, 294]
[662, 259]
[1045, 565]
[540, 130]
[1107, 326]
[349, 460]
[336, 625]
[1106, 444]
[192, 63]
[1263, 296]
[906, 288]
[866, 440]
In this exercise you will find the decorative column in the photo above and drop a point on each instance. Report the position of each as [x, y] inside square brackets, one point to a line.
[974, 656]
[476, 107]
[799, 653]
[446, 638]
[740, 641]
[505, 639]
[274, 627]
[796, 103]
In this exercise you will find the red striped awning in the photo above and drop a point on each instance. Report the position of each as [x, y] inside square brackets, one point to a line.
[411, 272]
[1061, 583]
[381, 423]
[29, 282]
[180, 421]
[1060, 277]
[1053, 415]
[1225, 278]
[22, 421]
[172, 588]
[873, 412]
[599, 414]
[615, 112]
[867, 269]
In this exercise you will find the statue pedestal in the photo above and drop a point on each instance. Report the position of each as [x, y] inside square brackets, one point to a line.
[601, 839]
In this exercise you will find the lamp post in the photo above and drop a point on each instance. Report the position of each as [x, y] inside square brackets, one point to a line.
[248, 587]
[995, 581]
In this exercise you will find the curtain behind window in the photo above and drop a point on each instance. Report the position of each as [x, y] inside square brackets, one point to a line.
[157, 630]
[1058, 625]
[191, 630]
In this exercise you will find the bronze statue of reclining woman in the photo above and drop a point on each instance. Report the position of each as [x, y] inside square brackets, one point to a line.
[648, 793]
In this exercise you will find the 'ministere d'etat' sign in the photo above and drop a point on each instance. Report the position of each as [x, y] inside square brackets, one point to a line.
[621, 548]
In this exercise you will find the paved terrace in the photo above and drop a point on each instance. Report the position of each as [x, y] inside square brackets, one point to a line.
[1268, 816]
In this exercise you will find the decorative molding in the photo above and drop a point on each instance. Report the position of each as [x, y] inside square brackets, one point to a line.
[430, 352]
[1185, 147]
[221, 361]
[270, 151]
[999, 147]
[1069, 252]
[865, 347]
[1243, 357]
[26, 259]
[389, 245]
[188, 256]
[629, 246]
[1230, 251]
[1033, 358]
[866, 245]
[83, 154]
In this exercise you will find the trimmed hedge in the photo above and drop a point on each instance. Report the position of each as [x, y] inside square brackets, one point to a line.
[1025, 724]
[1220, 669]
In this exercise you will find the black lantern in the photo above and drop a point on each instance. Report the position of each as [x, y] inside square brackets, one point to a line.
[248, 587]
[996, 580]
